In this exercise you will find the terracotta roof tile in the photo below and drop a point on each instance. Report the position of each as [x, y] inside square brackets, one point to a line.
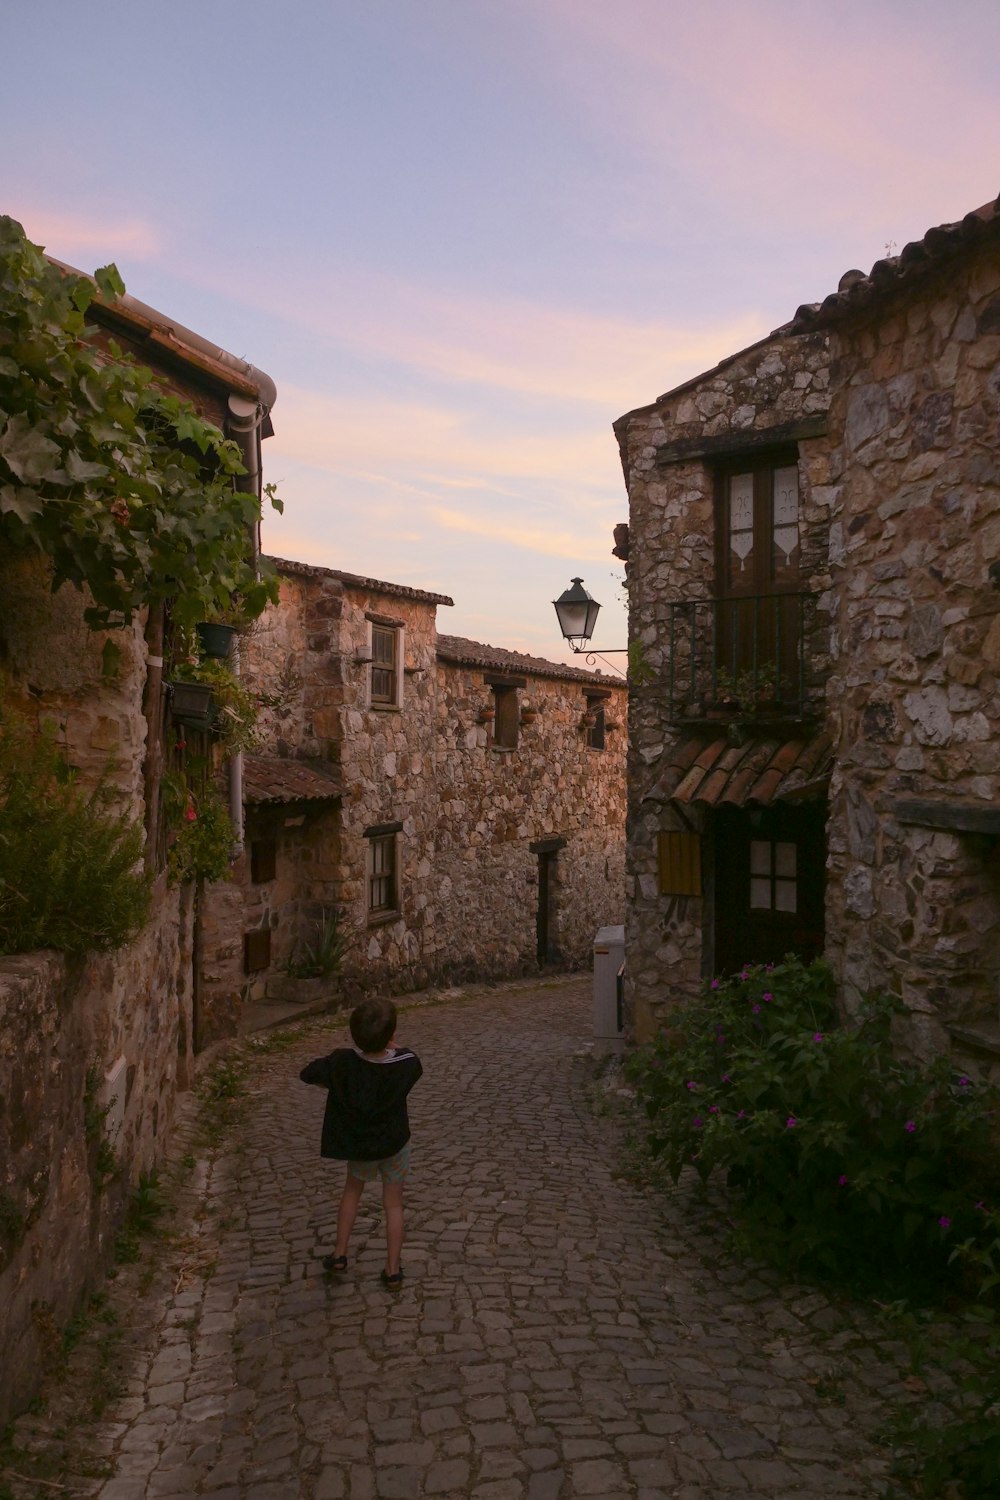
[271, 779]
[713, 773]
[937, 246]
[355, 580]
[455, 648]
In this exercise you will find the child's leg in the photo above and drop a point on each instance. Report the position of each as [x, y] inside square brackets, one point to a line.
[392, 1202]
[348, 1211]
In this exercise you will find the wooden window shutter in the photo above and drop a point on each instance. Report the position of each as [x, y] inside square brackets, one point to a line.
[679, 858]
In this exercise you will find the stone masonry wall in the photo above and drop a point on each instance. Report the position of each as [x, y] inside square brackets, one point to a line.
[495, 803]
[63, 1028]
[671, 558]
[467, 812]
[917, 525]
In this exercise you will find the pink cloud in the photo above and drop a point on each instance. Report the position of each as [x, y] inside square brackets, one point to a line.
[72, 237]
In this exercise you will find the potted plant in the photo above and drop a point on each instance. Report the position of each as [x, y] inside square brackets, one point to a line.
[211, 696]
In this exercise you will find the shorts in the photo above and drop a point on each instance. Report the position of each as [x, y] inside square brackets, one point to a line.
[390, 1168]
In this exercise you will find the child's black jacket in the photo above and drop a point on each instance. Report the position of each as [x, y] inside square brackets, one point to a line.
[366, 1117]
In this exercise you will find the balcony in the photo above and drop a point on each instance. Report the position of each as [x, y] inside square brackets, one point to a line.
[741, 660]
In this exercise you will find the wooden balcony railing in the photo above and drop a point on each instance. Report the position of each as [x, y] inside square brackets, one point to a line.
[740, 658]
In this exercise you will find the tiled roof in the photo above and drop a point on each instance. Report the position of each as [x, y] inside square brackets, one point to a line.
[268, 778]
[715, 773]
[937, 246]
[455, 648]
[354, 580]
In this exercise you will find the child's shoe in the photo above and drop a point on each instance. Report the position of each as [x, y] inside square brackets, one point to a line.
[394, 1282]
[335, 1263]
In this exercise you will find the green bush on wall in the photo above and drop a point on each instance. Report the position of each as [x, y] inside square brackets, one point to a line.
[70, 866]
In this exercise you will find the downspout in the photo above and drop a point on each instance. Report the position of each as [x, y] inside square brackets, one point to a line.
[245, 426]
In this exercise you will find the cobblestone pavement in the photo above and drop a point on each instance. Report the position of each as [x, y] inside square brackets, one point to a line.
[560, 1332]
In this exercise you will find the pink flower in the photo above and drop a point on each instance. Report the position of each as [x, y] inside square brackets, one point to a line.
[715, 984]
[910, 1126]
[791, 1122]
[756, 1010]
[767, 997]
[692, 1085]
[713, 1109]
[964, 1083]
[841, 1180]
[697, 1122]
[190, 813]
[944, 1222]
[817, 1036]
[726, 1078]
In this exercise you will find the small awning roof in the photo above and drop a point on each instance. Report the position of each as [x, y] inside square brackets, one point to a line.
[269, 779]
[714, 773]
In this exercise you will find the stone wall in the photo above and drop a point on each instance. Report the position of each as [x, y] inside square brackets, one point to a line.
[65, 1028]
[766, 389]
[495, 804]
[467, 813]
[915, 529]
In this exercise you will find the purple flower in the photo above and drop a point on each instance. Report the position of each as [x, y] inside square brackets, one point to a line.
[910, 1126]
[841, 1180]
[713, 1109]
[697, 1122]
[817, 1036]
[720, 1038]
[692, 1085]
[742, 1115]
[791, 1122]
[964, 1083]
[944, 1222]
[769, 968]
[715, 984]
[981, 1206]
[726, 1078]
[756, 1010]
[767, 997]
[745, 974]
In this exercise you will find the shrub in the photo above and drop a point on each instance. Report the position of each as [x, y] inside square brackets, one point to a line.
[847, 1159]
[70, 873]
[321, 958]
[202, 846]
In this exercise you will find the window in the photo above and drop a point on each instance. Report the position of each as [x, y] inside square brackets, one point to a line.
[383, 871]
[386, 664]
[506, 717]
[263, 860]
[773, 876]
[759, 525]
[595, 731]
[760, 614]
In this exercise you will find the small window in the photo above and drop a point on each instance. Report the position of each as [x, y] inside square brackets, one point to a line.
[506, 718]
[257, 950]
[773, 876]
[385, 666]
[383, 876]
[263, 860]
[595, 730]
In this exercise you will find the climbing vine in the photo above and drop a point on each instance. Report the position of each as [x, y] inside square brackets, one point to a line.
[127, 491]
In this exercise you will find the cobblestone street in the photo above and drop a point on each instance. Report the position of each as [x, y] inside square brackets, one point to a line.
[559, 1333]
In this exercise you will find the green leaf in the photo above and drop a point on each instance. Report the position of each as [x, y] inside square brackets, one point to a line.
[27, 452]
[109, 281]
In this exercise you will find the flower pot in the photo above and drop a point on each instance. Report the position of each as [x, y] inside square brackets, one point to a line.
[191, 703]
[215, 640]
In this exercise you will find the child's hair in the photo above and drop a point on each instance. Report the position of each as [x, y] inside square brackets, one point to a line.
[373, 1024]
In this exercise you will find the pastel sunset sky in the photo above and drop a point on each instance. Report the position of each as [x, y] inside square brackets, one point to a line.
[463, 236]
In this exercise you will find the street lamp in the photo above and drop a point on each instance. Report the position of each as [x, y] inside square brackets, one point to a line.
[577, 611]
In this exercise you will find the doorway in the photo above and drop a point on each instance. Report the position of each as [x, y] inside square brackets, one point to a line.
[546, 926]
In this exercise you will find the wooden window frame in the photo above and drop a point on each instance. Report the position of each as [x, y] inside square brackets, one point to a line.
[762, 579]
[506, 716]
[385, 673]
[382, 882]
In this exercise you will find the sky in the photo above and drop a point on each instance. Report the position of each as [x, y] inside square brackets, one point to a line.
[464, 236]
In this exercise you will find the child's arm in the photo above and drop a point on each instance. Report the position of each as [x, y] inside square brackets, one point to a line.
[318, 1072]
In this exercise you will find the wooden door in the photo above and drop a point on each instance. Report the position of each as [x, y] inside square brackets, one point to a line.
[770, 882]
[757, 560]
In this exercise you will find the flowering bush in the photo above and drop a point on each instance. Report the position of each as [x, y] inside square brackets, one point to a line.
[847, 1159]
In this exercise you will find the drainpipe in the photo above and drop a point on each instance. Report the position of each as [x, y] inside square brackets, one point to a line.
[246, 419]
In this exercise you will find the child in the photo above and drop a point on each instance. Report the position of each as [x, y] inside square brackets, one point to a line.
[366, 1124]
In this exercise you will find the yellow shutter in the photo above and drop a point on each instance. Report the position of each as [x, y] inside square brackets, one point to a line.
[679, 856]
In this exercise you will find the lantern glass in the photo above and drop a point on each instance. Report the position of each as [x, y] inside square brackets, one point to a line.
[577, 612]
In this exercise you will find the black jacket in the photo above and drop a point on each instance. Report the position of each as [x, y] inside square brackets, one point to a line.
[366, 1118]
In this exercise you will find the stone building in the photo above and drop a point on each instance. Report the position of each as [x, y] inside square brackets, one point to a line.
[462, 806]
[812, 569]
[93, 1053]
